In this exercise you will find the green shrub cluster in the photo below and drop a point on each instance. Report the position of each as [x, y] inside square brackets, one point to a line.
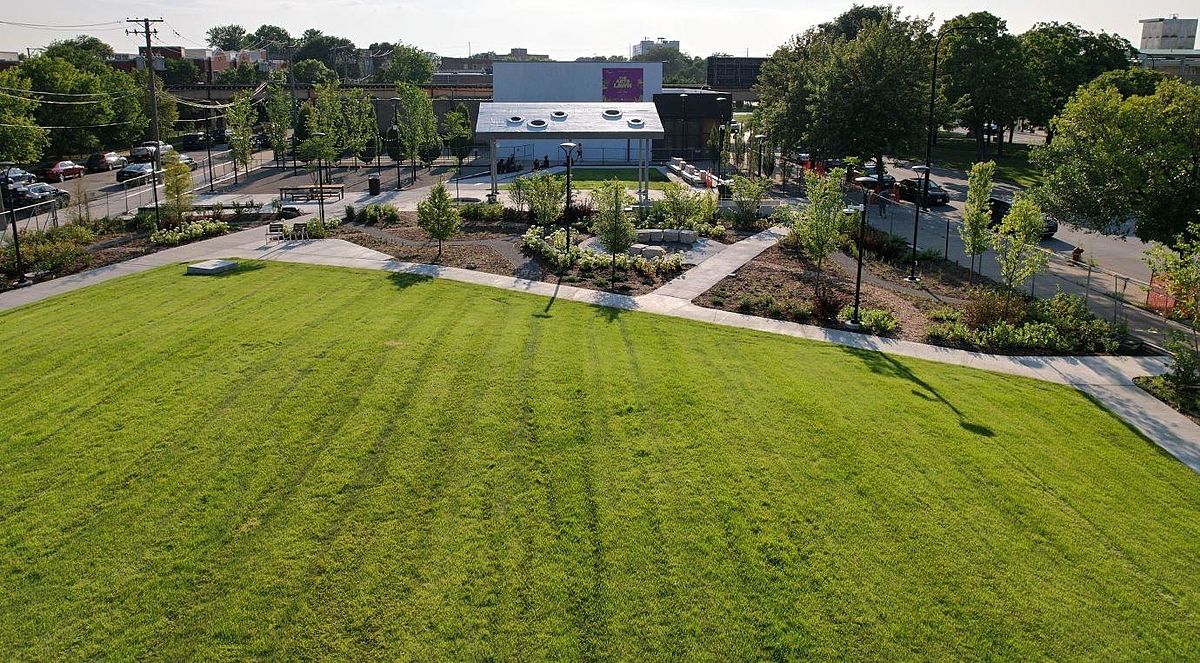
[705, 223]
[552, 249]
[873, 320]
[1059, 324]
[56, 250]
[188, 231]
[485, 212]
[381, 214]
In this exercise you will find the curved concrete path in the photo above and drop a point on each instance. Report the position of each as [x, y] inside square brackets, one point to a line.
[1109, 380]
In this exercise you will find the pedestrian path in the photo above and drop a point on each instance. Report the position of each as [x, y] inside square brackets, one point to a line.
[695, 281]
[1109, 380]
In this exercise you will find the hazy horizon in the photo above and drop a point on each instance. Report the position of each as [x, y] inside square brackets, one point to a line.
[756, 27]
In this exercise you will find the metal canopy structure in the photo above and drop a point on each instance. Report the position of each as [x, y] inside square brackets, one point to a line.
[572, 121]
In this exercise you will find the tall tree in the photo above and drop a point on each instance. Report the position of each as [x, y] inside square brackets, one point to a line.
[228, 37]
[1116, 159]
[168, 107]
[360, 126]
[177, 71]
[312, 72]
[84, 51]
[239, 118]
[177, 187]
[272, 37]
[406, 64]
[456, 134]
[678, 67]
[21, 140]
[438, 216]
[977, 211]
[865, 96]
[1061, 57]
[417, 123]
[279, 119]
[337, 53]
[983, 74]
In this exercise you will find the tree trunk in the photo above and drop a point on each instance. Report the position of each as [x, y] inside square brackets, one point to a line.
[1000, 143]
[980, 144]
[612, 279]
[1049, 135]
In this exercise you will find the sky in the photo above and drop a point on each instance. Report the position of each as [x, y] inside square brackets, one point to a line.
[563, 29]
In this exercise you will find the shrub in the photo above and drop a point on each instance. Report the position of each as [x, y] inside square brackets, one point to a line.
[873, 320]
[826, 306]
[987, 307]
[350, 212]
[188, 231]
[946, 314]
[486, 212]
[950, 332]
[382, 214]
[56, 250]
[1185, 366]
[316, 230]
[1070, 316]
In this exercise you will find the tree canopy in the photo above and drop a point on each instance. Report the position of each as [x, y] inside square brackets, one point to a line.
[678, 67]
[406, 64]
[1061, 57]
[228, 37]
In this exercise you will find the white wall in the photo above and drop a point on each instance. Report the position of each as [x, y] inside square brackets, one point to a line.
[565, 81]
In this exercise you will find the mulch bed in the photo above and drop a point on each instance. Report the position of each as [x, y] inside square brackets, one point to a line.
[480, 258]
[1186, 404]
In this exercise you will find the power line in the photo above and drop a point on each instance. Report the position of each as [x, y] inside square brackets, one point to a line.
[64, 94]
[82, 126]
[58, 102]
[47, 26]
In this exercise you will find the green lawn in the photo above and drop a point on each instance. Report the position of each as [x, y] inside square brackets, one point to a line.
[298, 462]
[590, 178]
[957, 151]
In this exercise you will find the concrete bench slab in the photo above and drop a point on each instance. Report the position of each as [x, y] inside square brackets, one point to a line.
[688, 236]
[671, 235]
[210, 267]
[636, 249]
[654, 252]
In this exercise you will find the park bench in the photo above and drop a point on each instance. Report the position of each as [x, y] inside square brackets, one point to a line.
[274, 231]
[313, 192]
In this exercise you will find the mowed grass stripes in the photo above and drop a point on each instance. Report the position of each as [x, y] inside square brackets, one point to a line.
[295, 461]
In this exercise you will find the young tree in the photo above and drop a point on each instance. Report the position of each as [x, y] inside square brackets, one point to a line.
[177, 186]
[820, 227]
[977, 212]
[516, 193]
[418, 124]
[546, 195]
[239, 119]
[613, 226]
[1016, 245]
[748, 194]
[682, 206]
[1178, 269]
[438, 216]
[279, 119]
[359, 124]
[456, 133]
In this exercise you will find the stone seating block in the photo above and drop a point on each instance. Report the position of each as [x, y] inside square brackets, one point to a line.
[656, 236]
[636, 249]
[688, 236]
[654, 252]
[209, 267]
[671, 235]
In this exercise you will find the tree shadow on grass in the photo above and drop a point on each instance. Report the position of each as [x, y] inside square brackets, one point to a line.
[403, 281]
[884, 364]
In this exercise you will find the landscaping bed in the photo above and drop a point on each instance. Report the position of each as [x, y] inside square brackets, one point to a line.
[1185, 399]
[466, 256]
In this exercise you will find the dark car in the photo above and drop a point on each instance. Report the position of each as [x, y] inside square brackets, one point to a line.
[911, 187]
[196, 141]
[16, 177]
[145, 151]
[34, 194]
[289, 212]
[105, 161]
[135, 173]
[261, 140]
[219, 136]
[1000, 206]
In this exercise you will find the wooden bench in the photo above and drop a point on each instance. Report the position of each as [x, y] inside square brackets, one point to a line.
[274, 231]
[314, 192]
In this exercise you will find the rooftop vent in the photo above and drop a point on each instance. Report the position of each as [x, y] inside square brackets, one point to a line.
[558, 115]
[612, 113]
[537, 124]
[636, 122]
[516, 119]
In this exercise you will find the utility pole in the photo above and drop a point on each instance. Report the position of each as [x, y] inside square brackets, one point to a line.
[157, 161]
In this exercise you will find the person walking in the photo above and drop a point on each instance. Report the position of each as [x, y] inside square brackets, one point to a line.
[882, 199]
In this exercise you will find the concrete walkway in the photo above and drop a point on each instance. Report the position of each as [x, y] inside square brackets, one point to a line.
[1109, 380]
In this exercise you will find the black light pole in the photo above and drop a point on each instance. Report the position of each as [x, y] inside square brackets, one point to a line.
[208, 150]
[683, 134]
[569, 149]
[320, 183]
[5, 186]
[924, 172]
[721, 136]
[866, 183]
[758, 152]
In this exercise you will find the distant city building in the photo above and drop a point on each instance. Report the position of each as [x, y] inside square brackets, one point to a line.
[1172, 33]
[1169, 45]
[646, 45]
[9, 59]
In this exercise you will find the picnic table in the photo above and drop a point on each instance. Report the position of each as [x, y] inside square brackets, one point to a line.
[313, 192]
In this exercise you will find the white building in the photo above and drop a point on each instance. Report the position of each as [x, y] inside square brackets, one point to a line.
[574, 82]
[1172, 33]
[646, 45]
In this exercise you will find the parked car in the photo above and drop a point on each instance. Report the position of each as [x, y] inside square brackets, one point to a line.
[14, 177]
[219, 136]
[145, 151]
[59, 171]
[911, 187]
[33, 194]
[105, 161]
[261, 141]
[136, 173]
[196, 141]
[188, 161]
[1000, 206]
[289, 212]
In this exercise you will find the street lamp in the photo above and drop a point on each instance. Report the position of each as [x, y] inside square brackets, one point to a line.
[866, 183]
[758, 152]
[722, 135]
[937, 47]
[569, 150]
[5, 187]
[683, 122]
[923, 171]
[320, 182]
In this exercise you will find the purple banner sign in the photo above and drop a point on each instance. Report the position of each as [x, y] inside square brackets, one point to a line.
[623, 83]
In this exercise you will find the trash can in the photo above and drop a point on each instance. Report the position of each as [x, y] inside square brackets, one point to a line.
[373, 185]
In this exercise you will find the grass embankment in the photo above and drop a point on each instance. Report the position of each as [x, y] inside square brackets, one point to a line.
[296, 461]
[958, 151]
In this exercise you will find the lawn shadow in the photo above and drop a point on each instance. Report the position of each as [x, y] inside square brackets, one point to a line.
[882, 363]
[403, 281]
